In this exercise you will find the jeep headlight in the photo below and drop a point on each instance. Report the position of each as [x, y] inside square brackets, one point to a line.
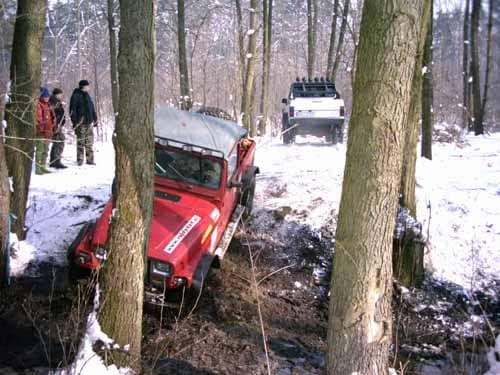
[161, 269]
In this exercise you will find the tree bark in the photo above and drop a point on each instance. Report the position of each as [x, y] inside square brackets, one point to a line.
[475, 68]
[340, 44]
[312, 24]
[333, 39]
[113, 56]
[267, 6]
[4, 211]
[427, 90]
[489, 58]
[359, 327]
[412, 125]
[246, 100]
[122, 277]
[466, 108]
[20, 111]
[241, 45]
[186, 100]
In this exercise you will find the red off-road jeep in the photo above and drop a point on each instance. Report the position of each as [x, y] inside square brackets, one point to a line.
[204, 185]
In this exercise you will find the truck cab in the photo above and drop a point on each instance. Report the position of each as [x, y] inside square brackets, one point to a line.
[313, 107]
[204, 185]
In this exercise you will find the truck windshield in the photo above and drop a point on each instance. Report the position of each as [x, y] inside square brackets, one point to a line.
[188, 168]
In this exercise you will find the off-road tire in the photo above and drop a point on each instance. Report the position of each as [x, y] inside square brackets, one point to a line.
[288, 137]
[247, 199]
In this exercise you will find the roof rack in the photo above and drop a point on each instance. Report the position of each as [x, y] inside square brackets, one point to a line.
[189, 147]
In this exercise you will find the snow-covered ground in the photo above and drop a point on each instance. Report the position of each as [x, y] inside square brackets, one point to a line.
[461, 184]
[59, 203]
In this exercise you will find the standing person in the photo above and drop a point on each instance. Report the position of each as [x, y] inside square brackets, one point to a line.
[84, 118]
[58, 119]
[43, 131]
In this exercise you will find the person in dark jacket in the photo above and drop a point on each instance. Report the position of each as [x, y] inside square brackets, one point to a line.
[43, 131]
[84, 118]
[58, 121]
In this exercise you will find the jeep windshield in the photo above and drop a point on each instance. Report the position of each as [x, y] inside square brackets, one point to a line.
[187, 168]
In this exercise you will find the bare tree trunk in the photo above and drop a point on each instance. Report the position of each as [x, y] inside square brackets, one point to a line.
[246, 100]
[266, 63]
[186, 101]
[4, 211]
[466, 108]
[360, 320]
[122, 278]
[20, 112]
[412, 126]
[408, 254]
[312, 24]
[333, 39]
[340, 44]
[427, 90]
[489, 57]
[475, 68]
[241, 45]
[113, 55]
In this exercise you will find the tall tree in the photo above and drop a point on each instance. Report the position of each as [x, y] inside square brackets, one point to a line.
[113, 62]
[312, 26]
[248, 87]
[360, 321]
[412, 123]
[20, 111]
[122, 277]
[408, 254]
[4, 210]
[241, 44]
[489, 57]
[333, 39]
[466, 108]
[186, 99]
[475, 68]
[427, 90]
[267, 10]
[340, 44]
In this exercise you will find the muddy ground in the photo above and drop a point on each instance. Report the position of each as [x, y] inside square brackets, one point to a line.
[42, 319]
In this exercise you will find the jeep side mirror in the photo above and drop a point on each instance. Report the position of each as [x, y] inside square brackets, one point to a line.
[284, 101]
[235, 184]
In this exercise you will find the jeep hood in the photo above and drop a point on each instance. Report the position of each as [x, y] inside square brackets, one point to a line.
[178, 225]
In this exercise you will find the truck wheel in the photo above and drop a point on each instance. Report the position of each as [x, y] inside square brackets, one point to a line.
[332, 137]
[247, 199]
[287, 137]
[341, 133]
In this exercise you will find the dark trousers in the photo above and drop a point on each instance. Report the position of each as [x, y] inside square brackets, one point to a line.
[84, 143]
[57, 148]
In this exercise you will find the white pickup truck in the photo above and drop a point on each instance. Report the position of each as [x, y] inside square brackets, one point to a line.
[313, 107]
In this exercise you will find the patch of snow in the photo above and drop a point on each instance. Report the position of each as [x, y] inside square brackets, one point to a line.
[87, 362]
[59, 203]
[297, 284]
[249, 55]
[494, 359]
[251, 32]
[424, 70]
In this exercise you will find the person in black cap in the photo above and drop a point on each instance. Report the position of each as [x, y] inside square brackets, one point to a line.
[84, 118]
[58, 121]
